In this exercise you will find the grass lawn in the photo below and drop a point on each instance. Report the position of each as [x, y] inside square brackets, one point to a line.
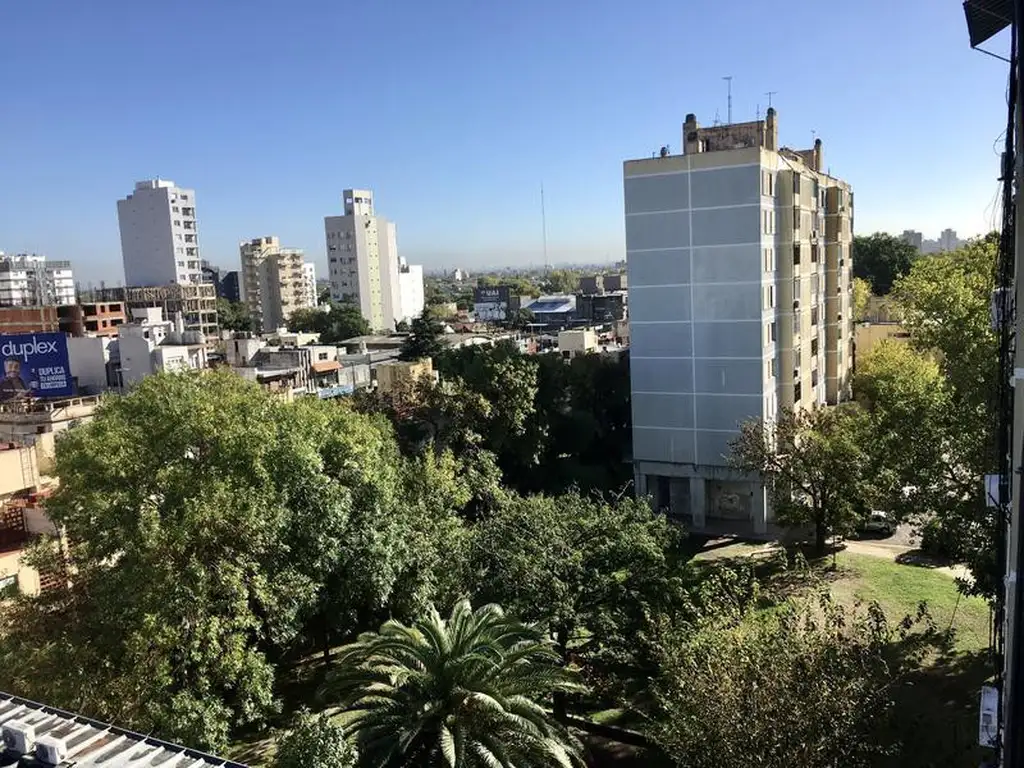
[899, 588]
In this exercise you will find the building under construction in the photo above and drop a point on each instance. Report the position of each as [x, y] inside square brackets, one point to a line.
[197, 304]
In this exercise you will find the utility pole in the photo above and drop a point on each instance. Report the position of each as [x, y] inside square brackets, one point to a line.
[544, 227]
[728, 81]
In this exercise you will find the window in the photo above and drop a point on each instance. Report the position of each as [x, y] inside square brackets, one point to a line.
[797, 357]
[796, 392]
[796, 217]
[770, 297]
[814, 254]
[174, 208]
[814, 284]
[796, 323]
[796, 183]
[796, 289]
[814, 321]
[814, 347]
[771, 331]
[771, 368]
[814, 377]
[796, 253]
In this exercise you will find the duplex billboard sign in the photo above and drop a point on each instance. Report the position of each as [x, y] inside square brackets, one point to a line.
[35, 365]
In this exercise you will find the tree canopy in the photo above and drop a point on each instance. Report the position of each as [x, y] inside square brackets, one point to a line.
[814, 463]
[210, 528]
[315, 742]
[881, 259]
[335, 322]
[234, 316]
[463, 692]
[425, 338]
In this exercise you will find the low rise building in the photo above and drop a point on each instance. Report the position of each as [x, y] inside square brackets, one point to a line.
[391, 376]
[150, 344]
[580, 341]
[91, 319]
[29, 320]
[37, 423]
[553, 312]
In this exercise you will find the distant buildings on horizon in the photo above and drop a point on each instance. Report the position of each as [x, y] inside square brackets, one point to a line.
[947, 241]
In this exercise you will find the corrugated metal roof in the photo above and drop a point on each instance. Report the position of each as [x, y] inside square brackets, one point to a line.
[91, 743]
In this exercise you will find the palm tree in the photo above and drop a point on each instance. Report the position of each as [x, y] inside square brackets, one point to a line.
[455, 693]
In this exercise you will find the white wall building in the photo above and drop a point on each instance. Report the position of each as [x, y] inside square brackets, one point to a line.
[273, 281]
[363, 263]
[150, 344]
[309, 298]
[31, 280]
[410, 291]
[159, 238]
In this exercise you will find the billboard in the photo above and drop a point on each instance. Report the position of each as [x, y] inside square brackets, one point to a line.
[35, 365]
[492, 304]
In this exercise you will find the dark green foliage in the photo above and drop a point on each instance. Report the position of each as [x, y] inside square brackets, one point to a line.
[462, 692]
[315, 742]
[335, 322]
[234, 316]
[882, 259]
[425, 338]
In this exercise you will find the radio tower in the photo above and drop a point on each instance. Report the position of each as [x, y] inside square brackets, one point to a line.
[728, 111]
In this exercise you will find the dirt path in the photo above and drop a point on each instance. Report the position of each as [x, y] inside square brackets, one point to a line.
[899, 544]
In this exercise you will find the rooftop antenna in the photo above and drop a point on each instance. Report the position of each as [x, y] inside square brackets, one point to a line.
[544, 227]
[757, 108]
[814, 136]
[769, 94]
[728, 82]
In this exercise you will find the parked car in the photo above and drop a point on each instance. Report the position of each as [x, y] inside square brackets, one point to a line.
[879, 522]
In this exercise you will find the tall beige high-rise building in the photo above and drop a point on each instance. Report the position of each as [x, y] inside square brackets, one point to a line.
[364, 267]
[274, 281]
[740, 305]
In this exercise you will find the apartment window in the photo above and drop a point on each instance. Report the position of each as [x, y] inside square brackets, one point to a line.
[181, 263]
[815, 284]
[796, 392]
[797, 357]
[814, 187]
[771, 331]
[771, 183]
[771, 368]
[814, 254]
[796, 253]
[775, 222]
[769, 297]
[796, 323]
[814, 317]
[814, 377]
[174, 208]
[814, 347]
[796, 183]
[796, 290]
[796, 217]
[767, 230]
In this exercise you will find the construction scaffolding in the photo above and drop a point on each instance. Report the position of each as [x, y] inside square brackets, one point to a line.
[197, 304]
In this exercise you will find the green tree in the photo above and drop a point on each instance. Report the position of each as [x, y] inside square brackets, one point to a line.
[425, 339]
[591, 570]
[944, 303]
[562, 281]
[814, 463]
[808, 685]
[337, 322]
[315, 742]
[881, 259]
[234, 316]
[861, 298]
[465, 692]
[213, 528]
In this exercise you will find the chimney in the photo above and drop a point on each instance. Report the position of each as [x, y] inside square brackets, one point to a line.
[691, 135]
[771, 139]
[817, 155]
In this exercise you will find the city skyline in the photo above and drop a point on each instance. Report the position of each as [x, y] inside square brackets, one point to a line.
[459, 124]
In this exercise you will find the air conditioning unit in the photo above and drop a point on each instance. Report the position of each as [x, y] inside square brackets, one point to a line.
[19, 736]
[51, 750]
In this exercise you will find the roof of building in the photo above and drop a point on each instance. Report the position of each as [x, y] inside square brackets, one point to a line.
[88, 742]
[375, 340]
[553, 304]
[325, 366]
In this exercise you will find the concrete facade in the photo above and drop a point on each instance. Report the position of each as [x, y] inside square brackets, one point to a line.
[274, 282]
[740, 302]
[363, 263]
[28, 279]
[159, 237]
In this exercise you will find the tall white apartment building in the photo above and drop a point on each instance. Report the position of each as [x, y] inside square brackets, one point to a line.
[740, 304]
[410, 290]
[274, 282]
[363, 263]
[31, 280]
[309, 270]
[159, 236]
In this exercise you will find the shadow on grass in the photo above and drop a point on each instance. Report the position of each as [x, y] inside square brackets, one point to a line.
[919, 559]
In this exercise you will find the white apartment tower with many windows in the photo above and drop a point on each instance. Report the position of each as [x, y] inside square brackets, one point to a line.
[159, 237]
[738, 252]
[31, 280]
[364, 267]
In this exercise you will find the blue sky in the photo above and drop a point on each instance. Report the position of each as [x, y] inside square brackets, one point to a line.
[455, 112]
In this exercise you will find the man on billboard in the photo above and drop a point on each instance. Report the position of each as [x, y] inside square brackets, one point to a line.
[12, 385]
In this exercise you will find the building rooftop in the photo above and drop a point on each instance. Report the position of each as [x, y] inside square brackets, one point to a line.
[42, 736]
[548, 304]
